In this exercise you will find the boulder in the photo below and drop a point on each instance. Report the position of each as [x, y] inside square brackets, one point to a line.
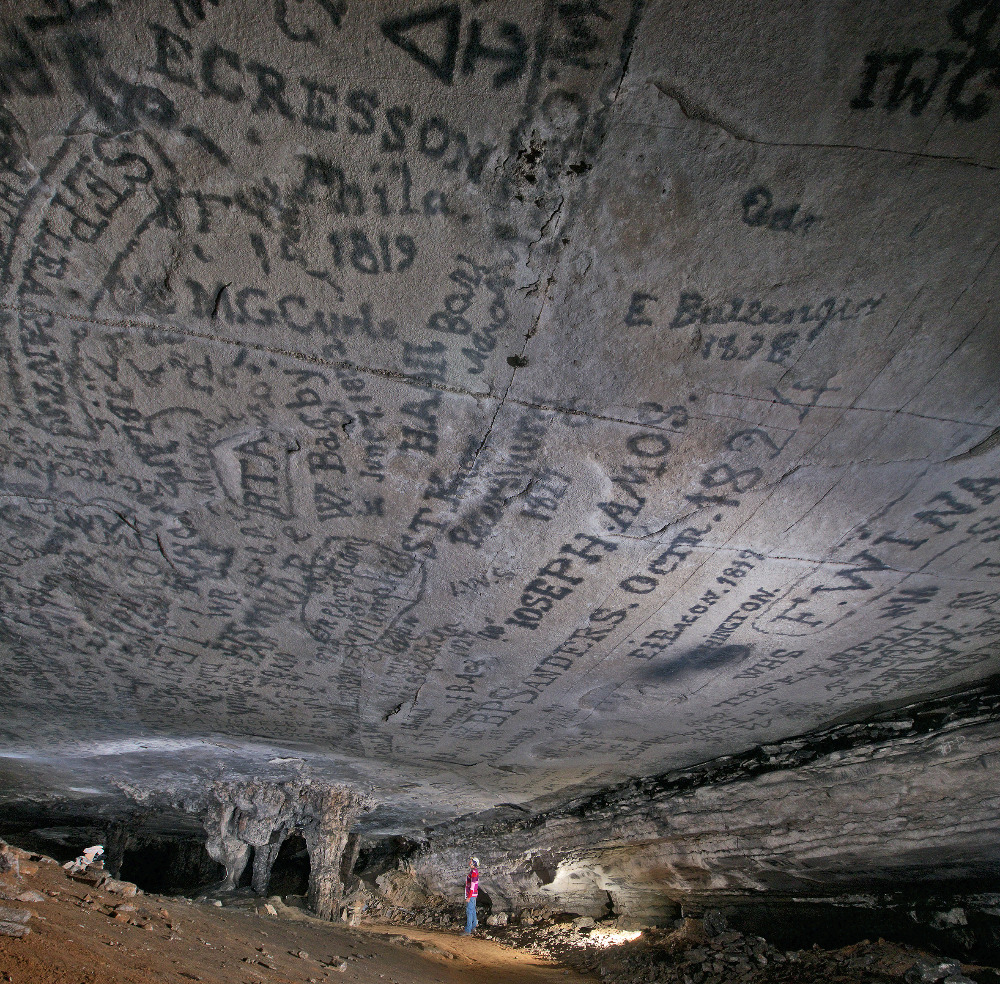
[118, 887]
[923, 972]
[714, 922]
[9, 862]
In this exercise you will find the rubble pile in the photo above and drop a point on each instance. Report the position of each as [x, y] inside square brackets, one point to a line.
[706, 951]
[97, 876]
[14, 865]
[436, 911]
[737, 959]
[687, 951]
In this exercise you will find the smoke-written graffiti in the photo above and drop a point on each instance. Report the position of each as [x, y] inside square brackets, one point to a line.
[915, 76]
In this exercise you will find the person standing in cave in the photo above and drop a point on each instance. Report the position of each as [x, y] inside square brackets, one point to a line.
[471, 893]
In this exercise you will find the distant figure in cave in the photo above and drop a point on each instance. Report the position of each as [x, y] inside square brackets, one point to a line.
[471, 892]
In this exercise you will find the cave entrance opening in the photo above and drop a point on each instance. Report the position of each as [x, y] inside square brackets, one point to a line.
[170, 867]
[290, 874]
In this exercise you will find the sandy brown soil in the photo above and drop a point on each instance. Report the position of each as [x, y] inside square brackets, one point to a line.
[84, 935]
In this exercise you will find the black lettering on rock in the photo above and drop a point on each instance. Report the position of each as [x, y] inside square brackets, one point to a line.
[428, 360]
[512, 54]
[864, 562]
[689, 308]
[119, 104]
[270, 90]
[396, 117]
[362, 105]
[208, 304]
[906, 87]
[210, 69]
[953, 507]
[21, 70]
[639, 584]
[636, 315]
[331, 504]
[319, 100]
[435, 135]
[189, 12]
[914, 75]
[758, 211]
[438, 57]
[334, 10]
[173, 56]
[347, 196]
[576, 37]
[981, 488]
[475, 162]
[423, 438]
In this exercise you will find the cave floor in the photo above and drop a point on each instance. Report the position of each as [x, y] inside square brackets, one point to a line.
[81, 934]
[85, 935]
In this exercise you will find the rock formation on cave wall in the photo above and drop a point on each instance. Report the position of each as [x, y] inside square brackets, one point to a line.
[258, 816]
[909, 797]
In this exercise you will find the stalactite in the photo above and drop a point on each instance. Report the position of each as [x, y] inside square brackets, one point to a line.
[224, 845]
[326, 841]
[263, 860]
[326, 847]
[260, 815]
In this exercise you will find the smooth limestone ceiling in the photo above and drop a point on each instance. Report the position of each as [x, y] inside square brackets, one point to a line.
[478, 402]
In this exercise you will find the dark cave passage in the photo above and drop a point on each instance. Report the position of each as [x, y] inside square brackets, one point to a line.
[290, 874]
[246, 878]
[170, 867]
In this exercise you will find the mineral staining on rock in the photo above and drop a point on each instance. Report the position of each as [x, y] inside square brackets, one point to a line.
[485, 404]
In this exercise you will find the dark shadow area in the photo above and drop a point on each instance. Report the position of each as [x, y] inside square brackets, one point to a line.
[290, 874]
[170, 867]
[545, 865]
[951, 926]
[60, 845]
[246, 879]
[382, 855]
[484, 905]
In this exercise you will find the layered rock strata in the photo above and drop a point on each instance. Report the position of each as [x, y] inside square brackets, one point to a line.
[902, 798]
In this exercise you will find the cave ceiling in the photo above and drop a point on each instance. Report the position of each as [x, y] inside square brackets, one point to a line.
[482, 402]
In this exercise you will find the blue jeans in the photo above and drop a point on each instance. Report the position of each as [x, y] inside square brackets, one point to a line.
[471, 922]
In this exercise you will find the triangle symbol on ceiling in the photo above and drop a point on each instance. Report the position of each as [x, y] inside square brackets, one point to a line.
[430, 37]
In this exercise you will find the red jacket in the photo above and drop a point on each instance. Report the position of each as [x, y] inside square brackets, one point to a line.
[472, 884]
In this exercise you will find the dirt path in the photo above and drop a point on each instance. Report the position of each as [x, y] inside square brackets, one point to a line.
[83, 935]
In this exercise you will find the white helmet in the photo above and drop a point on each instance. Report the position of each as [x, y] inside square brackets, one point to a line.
[475, 862]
